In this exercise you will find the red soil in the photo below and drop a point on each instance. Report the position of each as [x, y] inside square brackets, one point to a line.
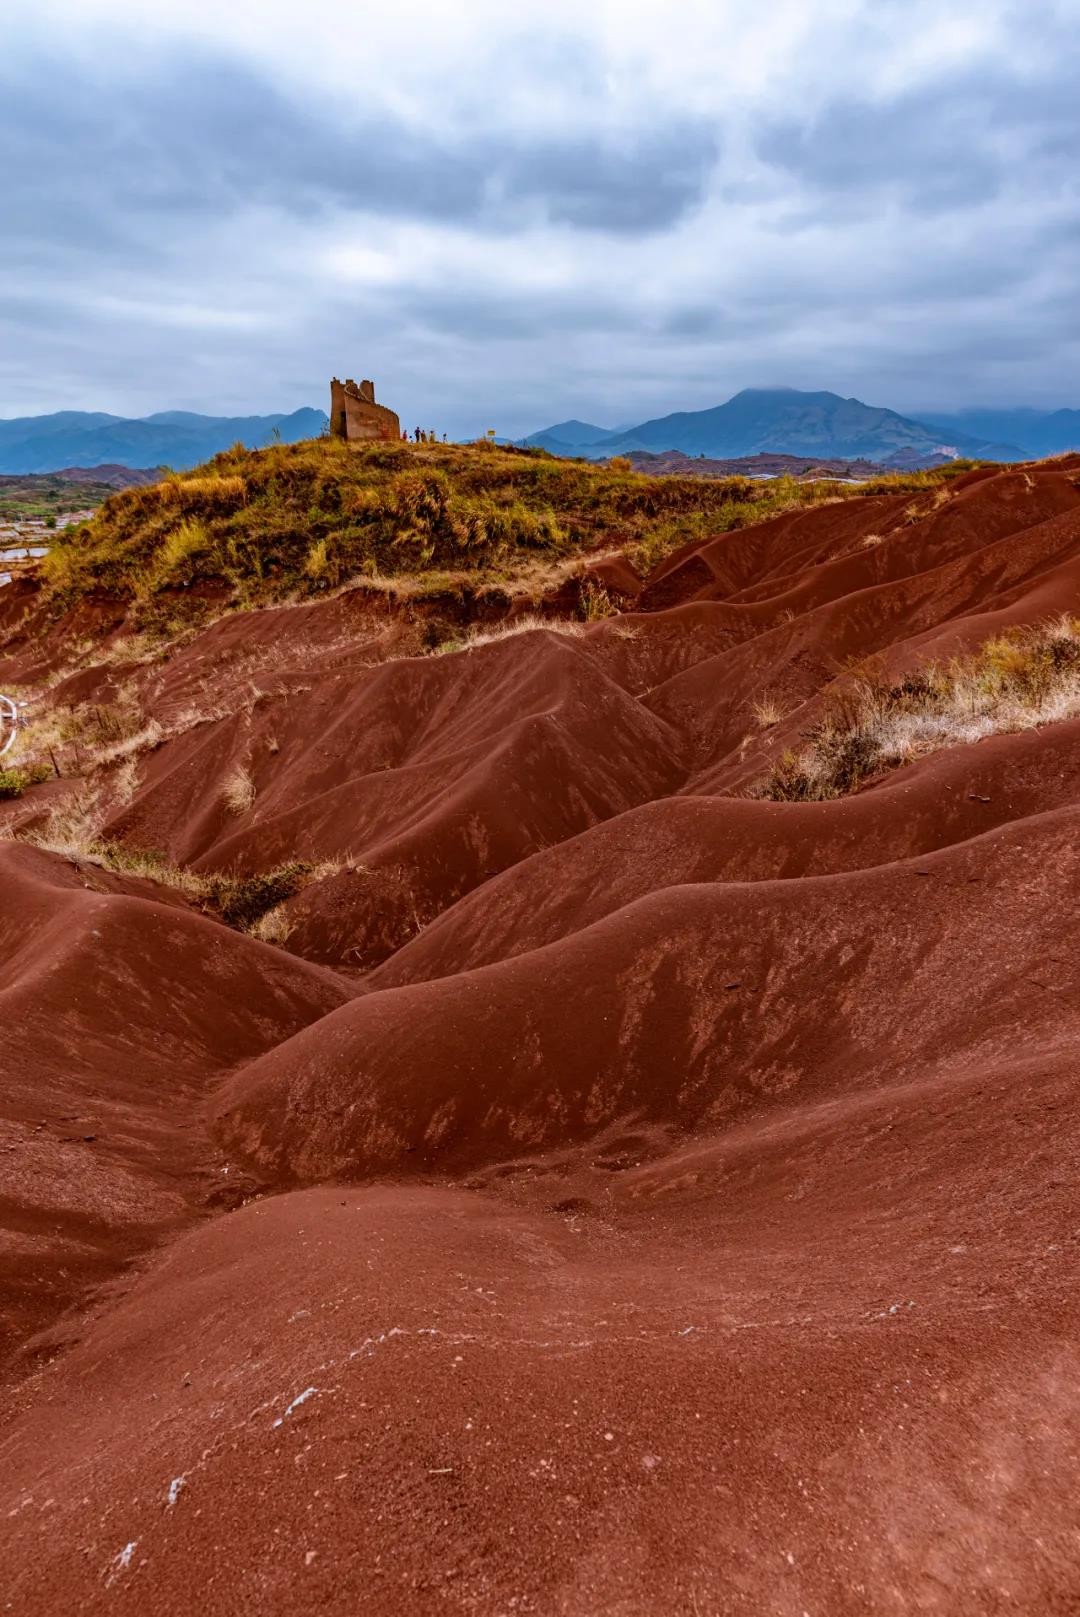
[619, 1196]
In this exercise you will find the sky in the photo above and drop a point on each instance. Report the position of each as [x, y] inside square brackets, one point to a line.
[508, 215]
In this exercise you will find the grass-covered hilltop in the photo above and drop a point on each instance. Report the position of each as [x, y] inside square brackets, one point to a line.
[462, 543]
[296, 519]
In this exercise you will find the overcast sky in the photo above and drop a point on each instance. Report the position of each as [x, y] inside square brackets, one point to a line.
[608, 210]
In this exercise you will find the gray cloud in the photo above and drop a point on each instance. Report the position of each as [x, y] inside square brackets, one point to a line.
[186, 227]
[954, 144]
[207, 134]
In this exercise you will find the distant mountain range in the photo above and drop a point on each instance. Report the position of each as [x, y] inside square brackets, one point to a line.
[758, 421]
[786, 421]
[176, 438]
[1038, 432]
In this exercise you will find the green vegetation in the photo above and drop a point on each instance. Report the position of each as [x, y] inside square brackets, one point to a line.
[1020, 679]
[41, 495]
[295, 519]
[240, 901]
[13, 782]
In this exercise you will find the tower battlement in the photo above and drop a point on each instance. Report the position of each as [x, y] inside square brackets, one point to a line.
[356, 417]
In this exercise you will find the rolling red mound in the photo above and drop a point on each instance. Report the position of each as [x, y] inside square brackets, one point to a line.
[120, 1010]
[619, 1195]
[687, 1007]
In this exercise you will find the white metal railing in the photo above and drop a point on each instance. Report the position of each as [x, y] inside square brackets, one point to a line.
[9, 722]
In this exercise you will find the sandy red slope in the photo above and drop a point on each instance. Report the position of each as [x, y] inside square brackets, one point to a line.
[688, 1007]
[119, 1010]
[668, 1206]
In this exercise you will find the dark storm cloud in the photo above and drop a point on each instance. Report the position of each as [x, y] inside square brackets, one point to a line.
[210, 135]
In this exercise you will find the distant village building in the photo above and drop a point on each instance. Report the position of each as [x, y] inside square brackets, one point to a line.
[356, 417]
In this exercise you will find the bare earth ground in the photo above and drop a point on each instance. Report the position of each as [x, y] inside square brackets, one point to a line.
[618, 1195]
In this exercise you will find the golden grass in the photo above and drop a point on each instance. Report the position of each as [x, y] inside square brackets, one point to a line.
[767, 711]
[252, 904]
[296, 520]
[238, 792]
[179, 551]
[72, 826]
[85, 738]
[596, 603]
[273, 927]
[1019, 680]
[528, 623]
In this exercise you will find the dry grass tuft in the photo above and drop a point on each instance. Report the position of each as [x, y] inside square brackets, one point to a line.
[1019, 680]
[72, 826]
[527, 623]
[252, 904]
[87, 737]
[128, 747]
[238, 792]
[925, 507]
[273, 927]
[767, 711]
[596, 603]
[179, 553]
[125, 781]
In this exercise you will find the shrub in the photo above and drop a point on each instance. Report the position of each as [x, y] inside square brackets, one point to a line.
[317, 564]
[242, 900]
[14, 781]
[1019, 679]
[596, 603]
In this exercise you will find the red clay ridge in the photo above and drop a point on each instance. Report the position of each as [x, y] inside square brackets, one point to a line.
[595, 1188]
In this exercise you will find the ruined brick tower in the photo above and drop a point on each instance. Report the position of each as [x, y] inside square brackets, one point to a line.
[356, 417]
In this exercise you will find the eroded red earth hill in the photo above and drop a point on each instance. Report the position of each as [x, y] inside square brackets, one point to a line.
[607, 1191]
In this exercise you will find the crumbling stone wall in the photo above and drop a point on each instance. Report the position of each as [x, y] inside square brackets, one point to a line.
[356, 417]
